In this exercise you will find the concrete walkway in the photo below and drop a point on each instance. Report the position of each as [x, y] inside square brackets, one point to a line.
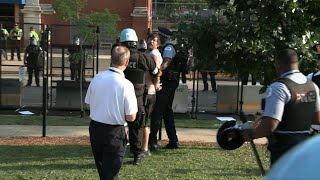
[184, 134]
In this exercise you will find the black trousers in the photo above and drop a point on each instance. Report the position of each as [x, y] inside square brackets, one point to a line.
[212, 78]
[108, 143]
[281, 144]
[136, 129]
[75, 74]
[36, 75]
[163, 109]
[245, 79]
[3, 45]
[15, 46]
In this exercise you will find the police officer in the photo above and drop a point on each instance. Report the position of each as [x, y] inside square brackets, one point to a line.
[163, 106]
[139, 64]
[16, 35]
[75, 61]
[315, 76]
[142, 45]
[32, 61]
[33, 34]
[292, 104]
[3, 40]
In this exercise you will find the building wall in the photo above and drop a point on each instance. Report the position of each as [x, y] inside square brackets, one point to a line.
[124, 8]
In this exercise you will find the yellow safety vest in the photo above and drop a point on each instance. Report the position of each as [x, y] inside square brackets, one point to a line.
[35, 35]
[5, 33]
[18, 32]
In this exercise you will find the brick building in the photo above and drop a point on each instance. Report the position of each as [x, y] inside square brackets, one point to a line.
[135, 14]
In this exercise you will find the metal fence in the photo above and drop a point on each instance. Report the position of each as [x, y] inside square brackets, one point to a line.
[59, 86]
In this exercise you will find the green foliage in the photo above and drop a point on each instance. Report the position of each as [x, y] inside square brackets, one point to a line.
[76, 57]
[249, 34]
[68, 10]
[86, 22]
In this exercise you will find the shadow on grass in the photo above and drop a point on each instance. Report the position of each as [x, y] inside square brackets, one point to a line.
[49, 166]
[12, 154]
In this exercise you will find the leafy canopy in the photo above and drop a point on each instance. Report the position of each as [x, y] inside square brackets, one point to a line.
[245, 35]
[86, 21]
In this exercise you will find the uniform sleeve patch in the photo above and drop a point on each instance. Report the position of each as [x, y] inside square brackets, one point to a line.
[268, 92]
[168, 48]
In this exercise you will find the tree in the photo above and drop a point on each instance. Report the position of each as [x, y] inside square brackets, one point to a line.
[86, 22]
[251, 32]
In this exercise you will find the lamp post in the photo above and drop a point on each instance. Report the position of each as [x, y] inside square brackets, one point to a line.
[98, 43]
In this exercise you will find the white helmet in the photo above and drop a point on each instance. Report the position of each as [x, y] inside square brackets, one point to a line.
[128, 34]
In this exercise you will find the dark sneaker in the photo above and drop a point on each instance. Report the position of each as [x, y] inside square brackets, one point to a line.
[38, 85]
[204, 90]
[173, 146]
[139, 159]
[147, 152]
[214, 90]
[153, 147]
[29, 84]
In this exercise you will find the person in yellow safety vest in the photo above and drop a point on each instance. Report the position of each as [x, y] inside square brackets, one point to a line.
[16, 35]
[3, 41]
[33, 34]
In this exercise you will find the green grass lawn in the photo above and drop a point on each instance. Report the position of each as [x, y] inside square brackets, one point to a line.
[77, 121]
[76, 162]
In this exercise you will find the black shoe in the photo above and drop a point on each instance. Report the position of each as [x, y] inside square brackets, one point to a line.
[38, 85]
[153, 147]
[214, 90]
[173, 145]
[204, 90]
[139, 159]
[29, 84]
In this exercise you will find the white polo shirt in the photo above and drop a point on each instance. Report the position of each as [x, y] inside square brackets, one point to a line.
[111, 96]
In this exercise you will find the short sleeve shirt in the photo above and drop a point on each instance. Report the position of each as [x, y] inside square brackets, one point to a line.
[277, 95]
[111, 97]
[309, 76]
[156, 52]
[168, 51]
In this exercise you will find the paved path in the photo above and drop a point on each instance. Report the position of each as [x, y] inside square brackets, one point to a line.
[184, 134]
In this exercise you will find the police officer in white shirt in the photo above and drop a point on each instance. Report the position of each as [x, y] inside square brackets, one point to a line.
[112, 103]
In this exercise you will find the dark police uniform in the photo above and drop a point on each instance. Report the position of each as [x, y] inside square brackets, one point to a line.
[164, 100]
[75, 66]
[139, 64]
[33, 63]
[293, 100]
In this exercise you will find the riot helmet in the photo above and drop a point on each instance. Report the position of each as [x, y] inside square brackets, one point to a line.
[128, 34]
[142, 45]
[76, 41]
[33, 41]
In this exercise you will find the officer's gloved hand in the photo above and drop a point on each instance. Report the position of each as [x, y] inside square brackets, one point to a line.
[246, 130]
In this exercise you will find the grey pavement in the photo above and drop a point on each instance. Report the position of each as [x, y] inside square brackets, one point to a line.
[184, 134]
[30, 97]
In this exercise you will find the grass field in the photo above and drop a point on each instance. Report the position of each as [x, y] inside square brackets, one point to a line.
[77, 121]
[190, 162]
